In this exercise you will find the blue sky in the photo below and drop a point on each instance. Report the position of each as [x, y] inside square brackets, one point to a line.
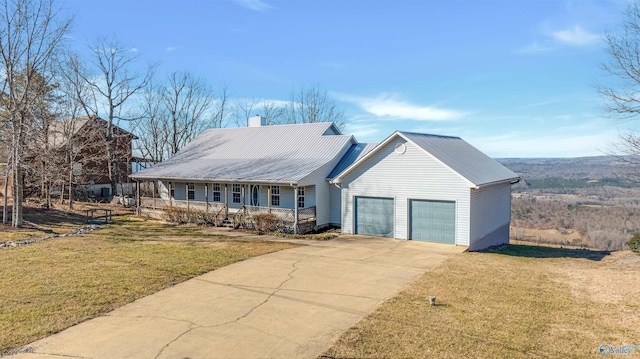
[513, 78]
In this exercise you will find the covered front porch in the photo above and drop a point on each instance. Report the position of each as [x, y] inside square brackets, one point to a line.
[233, 204]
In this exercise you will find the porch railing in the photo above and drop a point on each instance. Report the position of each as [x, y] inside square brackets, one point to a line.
[159, 203]
[243, 218]
[286, 216]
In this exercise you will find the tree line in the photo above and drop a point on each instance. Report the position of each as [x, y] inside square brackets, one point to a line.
[49, 93]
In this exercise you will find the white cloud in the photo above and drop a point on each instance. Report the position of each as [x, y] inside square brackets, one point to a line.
[557, 145]
[576, 36]
[133, 49]
[554, 39]
[392, 107]
[170, 49]
[534, 48]
[362, 129]
[255, 5]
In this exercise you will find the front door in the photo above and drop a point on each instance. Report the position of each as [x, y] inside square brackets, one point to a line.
[255, 195]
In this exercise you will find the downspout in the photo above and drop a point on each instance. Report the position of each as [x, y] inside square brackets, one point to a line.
[295, 210]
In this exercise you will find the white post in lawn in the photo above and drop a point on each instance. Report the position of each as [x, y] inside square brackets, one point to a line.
[295, 210]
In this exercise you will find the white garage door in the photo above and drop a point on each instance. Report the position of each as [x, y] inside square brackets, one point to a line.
[374, 216]
[432, 221]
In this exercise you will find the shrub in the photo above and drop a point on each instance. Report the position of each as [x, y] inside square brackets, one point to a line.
[265, 222]
[181, 215]
[634, 243]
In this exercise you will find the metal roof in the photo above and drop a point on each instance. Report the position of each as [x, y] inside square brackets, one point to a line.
[469, 162]
[356, 152]
[463, 158]
[281, 153]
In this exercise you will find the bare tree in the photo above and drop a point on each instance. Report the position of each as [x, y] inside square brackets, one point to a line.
[312, 104]
[175, 113]
[111, 84]
[622, 94]
[186, 100]
[273, 111]
[29, 38]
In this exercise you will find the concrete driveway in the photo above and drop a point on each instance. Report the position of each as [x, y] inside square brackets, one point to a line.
[289, 304]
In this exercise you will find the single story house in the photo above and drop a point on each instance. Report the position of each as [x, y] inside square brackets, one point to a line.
[410, 186]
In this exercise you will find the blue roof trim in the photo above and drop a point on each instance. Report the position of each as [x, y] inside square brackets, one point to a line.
[353, 154]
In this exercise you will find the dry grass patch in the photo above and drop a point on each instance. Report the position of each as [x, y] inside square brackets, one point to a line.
[57, 220]
[521, 302]
[51, 285]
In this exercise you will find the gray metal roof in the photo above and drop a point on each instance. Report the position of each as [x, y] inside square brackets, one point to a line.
[282, 153]
[356, 152]
[463, 158]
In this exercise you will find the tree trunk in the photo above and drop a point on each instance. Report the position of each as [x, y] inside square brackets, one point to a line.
[18, 177]
[5, 209]
[70, 188]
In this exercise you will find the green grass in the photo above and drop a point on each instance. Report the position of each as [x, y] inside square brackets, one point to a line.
[522, 302]
[51, 285]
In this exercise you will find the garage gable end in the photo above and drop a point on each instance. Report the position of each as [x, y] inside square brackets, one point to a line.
[398, 173]
[472, 165]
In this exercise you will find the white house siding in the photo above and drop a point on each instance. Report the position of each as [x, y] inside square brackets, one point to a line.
[414, 174]
[163, 191]
[325, 207]
[490, 216]
[336, 205]
[309, 196]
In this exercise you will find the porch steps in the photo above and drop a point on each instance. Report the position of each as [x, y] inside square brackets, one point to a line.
[226, 223]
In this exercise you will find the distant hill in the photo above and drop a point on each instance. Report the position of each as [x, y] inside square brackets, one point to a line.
[575, 172]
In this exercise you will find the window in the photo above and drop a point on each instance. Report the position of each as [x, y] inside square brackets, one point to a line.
[236, 193]
[192, 190]
[216, 192]
[301, 197]
[275, 195]
[77, 169]
[171, 190]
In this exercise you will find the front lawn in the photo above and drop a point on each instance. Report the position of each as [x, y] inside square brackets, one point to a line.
[51, 285]
[521, 302]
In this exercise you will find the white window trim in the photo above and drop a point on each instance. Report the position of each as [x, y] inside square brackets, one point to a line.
[239, 193]
[275, 195]
[301, 196]
[215, 188]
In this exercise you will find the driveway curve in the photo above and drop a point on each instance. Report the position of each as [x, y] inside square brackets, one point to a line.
[288, 304]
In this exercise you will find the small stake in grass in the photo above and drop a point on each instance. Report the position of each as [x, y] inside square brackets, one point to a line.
[432, 300]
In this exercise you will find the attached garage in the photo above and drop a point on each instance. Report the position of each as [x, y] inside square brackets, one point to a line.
[427, 188]
[374, 216]
[432, 221]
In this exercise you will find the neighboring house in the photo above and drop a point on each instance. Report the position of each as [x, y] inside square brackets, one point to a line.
[410, 186]
[88, 147]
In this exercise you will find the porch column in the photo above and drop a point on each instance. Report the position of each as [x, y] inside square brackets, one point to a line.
[242, 194]
[269, 198]
[153, 193]
[170, 196]
[206, 196]
[295, 210]
[186, 195]
[226, 202]
[138, 212]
